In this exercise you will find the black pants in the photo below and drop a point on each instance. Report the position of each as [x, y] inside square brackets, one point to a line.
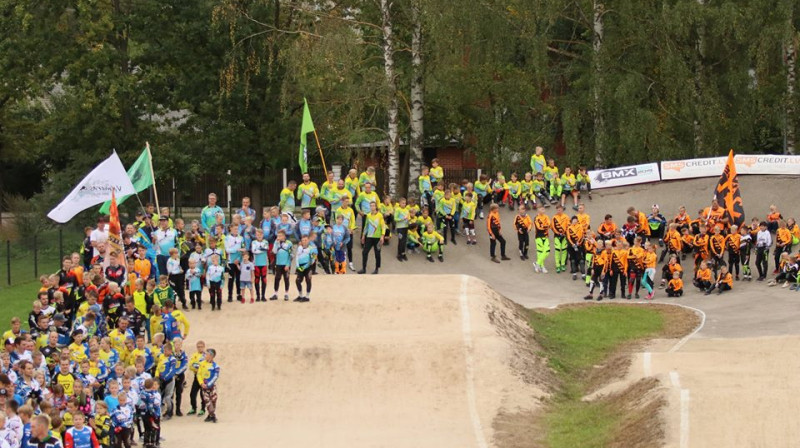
[177, 281]
[180, 383]
[215, 291]
[303, 275]
[161, 264]
[597, 279]
[524, 242]
[761, 261]
[702, 284]
[493, 244]
[123, 438]
[733, 262]
[402, 241]
[616, 276]
[194, 298]
[671, 292]
[151, 427]
[447, 223]
[778, 251]
[350, 249]
[371, 244]
[233, 279]
[722, 287]
[576, 259]
[281, 273]
[193, 395]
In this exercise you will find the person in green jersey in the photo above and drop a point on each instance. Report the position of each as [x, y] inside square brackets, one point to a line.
[372, 237]
[401, 221]
[307, 194]
[432, 242]
[287, 203]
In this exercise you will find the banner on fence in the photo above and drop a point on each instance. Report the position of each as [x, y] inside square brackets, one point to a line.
[745, 164]
[625, 175]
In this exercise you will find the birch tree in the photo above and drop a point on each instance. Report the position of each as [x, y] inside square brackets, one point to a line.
[598, 32]
[417, 98]
[392, 112]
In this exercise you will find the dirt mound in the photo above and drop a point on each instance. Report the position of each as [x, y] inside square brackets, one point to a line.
[389, 361]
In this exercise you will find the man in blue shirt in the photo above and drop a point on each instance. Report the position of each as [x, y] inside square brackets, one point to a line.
[208, 216]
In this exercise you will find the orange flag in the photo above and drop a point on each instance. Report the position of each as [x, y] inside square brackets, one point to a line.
[728, 194]
[115, 231]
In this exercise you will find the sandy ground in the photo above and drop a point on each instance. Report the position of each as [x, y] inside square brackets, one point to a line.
[379, 361]
[367, 363]
[741, 392]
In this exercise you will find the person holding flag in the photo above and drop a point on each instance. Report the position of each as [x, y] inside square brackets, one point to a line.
[727, 197]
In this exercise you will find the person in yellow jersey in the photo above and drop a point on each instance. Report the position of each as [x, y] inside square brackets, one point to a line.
[307, 194]
[326, 192]
[436, 173]
[365, 201]
[119, 334]
[349, 222]
[372, 238]
[469, 206]
[351, 184]
[194, 365]
[432, 242]
[367, 177]
[401, 217]
[537, 160]
[78, 350]
[15, 331]
[183, 322]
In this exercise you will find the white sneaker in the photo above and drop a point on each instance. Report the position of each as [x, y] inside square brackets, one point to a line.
[481, 215]
[544, 270]
[535, 267]
[785, 285]
[352, 267]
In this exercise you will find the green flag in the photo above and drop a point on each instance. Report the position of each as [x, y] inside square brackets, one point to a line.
[140, 175]
[308, 126]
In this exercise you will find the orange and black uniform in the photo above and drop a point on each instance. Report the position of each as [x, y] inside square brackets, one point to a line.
[673, 243]
[783, 243]
[703, 279]
[772, 221]
[700, 249]
[683, 221]
[618, 270]
[575, 249]
[733, 244]
[675, 288]
[687, 244]
[600, 266]
[635, 268]
[606, 230]
[724, 283]
[523, 224]
[642, 226]
[669, 270]
[493, 226]
[560, 225]
[716, 245]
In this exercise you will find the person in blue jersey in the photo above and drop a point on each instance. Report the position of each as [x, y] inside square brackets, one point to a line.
[304, 260]
[260, 250]
[304, 226]
[194, 276]
[214, 275]
[234, 246]
[165, 239]
[208, 216]
[326, 249]
[349, 221]
[80, 435]
[166, 369]
[341, 238]
[282, 248]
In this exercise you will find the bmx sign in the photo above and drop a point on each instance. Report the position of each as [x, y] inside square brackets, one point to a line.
[624, 175]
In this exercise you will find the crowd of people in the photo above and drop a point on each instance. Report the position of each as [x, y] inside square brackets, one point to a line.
[102, 358]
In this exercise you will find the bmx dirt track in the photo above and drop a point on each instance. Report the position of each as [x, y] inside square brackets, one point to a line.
[370, 365]
[380, 361]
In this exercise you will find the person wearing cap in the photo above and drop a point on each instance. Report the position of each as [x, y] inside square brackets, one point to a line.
[207, 376]
[165, 239]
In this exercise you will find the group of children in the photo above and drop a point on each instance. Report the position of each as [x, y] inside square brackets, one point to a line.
[100, 361]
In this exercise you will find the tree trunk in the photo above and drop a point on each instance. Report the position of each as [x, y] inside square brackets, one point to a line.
[417, 100]
[391, 84]
[698, 88]
[598, 10]
[791, 80]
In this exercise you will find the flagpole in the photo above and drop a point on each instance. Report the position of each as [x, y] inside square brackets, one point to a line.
[153, 174]
[316, 137]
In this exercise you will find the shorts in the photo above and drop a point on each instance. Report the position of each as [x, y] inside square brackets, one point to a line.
[468, 223]
[246, 285]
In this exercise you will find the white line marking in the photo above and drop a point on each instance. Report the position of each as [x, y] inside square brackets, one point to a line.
[686, 338]
[466, 330]
[684, 418]
[675, 379]
[647, 359]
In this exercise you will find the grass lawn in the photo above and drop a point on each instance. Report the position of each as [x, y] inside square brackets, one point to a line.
[16, 298]
[574, 340]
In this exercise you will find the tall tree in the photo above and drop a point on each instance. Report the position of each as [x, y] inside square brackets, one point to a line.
[392, 111]
[417, 141]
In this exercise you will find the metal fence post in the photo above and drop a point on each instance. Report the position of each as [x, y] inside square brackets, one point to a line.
[35, 258]
[285, 178]
[8, 261]
[60, 244]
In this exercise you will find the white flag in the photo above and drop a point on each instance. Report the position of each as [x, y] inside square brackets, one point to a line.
[94, 189]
